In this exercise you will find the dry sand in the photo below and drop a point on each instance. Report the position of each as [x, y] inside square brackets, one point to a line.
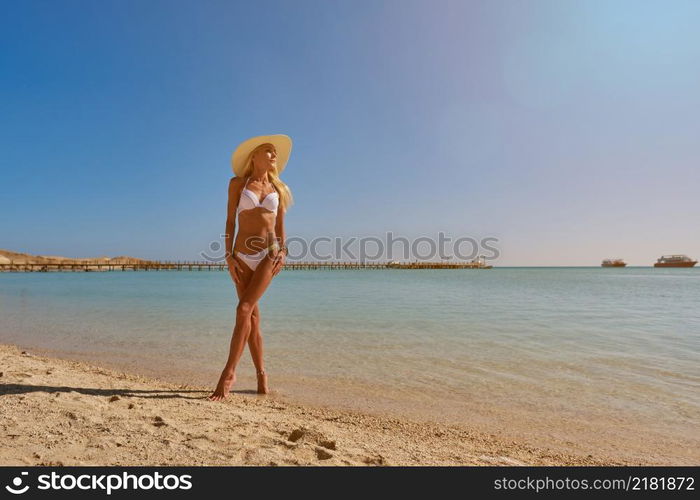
[61, 412]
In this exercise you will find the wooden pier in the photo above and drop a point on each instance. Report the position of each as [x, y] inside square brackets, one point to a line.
[167, 265]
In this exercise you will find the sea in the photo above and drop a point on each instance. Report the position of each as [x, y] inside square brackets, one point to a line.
[599, 357]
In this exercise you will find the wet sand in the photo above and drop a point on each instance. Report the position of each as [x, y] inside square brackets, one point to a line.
[62, 412]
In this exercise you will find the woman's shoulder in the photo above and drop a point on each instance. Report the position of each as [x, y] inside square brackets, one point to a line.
[236, 181]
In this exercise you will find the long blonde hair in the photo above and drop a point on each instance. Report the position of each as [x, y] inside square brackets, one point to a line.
[286, 199]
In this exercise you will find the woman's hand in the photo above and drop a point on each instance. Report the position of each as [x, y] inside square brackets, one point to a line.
[234, 269]
[280, 258]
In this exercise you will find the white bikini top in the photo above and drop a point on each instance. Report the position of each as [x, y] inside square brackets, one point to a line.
[249, 200]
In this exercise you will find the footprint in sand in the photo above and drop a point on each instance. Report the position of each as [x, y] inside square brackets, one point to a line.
[321, 444]
[158, 421]
[328, 444]
[322, 453]
[377, 460]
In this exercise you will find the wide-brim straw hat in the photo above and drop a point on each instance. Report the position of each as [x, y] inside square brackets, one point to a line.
[281, 142]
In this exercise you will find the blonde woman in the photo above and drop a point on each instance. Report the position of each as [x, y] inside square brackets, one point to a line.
[259, 199]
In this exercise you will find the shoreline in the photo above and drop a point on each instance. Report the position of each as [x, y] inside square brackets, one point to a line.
[64, 412]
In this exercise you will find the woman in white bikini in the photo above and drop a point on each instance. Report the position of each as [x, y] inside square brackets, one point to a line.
[259, 199]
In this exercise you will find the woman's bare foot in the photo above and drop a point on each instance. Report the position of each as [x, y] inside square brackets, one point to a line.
[223, 387]
[262, 383]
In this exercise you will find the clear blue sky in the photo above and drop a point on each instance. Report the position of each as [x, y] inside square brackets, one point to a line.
[568, 130]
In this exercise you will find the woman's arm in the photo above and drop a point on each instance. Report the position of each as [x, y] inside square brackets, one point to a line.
[231, 206]
[281, 239]
[279, 228]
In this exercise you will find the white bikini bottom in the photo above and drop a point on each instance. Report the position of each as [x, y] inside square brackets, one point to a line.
[252, 260]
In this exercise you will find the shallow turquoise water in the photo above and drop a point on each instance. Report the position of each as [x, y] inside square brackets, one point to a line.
[583, 342]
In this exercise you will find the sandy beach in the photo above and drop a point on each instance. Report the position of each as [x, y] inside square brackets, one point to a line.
[62, 412]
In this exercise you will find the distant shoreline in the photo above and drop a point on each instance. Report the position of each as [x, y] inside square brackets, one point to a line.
[23, 262]
[289, 266]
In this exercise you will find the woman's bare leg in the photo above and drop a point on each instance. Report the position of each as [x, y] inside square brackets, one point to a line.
[255, 341]
[228, 377]
[255, 344]
[259, 281]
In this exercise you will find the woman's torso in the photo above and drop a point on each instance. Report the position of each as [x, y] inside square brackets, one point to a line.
[256, 218]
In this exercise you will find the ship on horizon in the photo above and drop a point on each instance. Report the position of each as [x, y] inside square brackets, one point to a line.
[675, 261]
[614, 263]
